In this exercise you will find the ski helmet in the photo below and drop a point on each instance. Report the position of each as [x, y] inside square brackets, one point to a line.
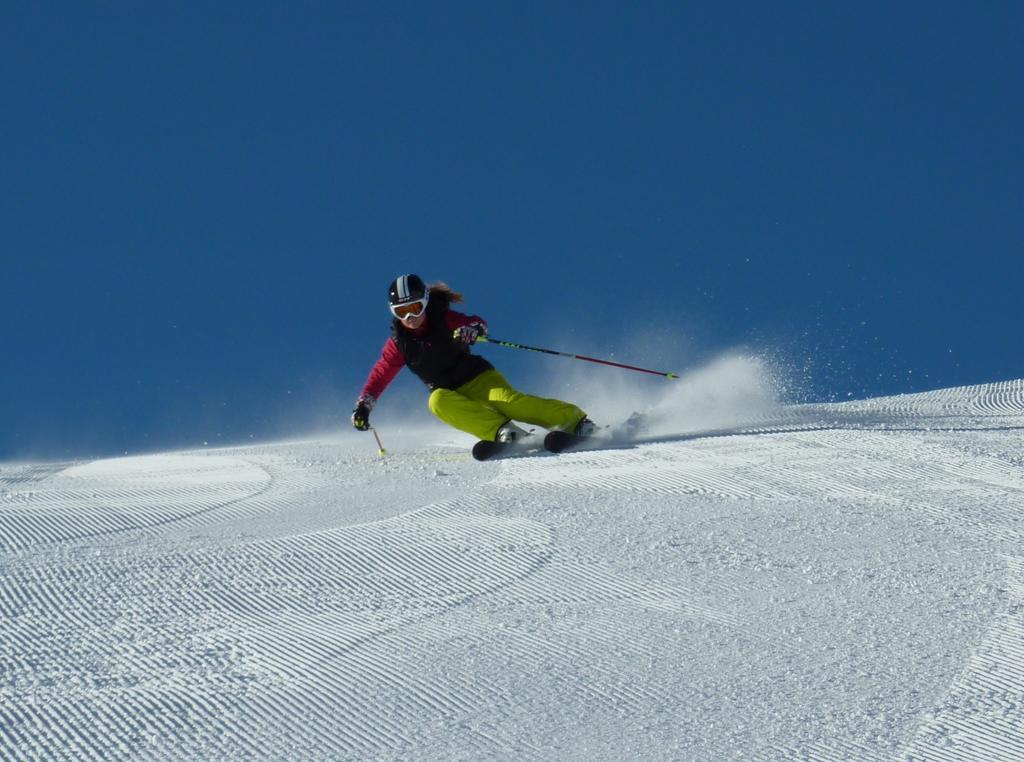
[408, 290]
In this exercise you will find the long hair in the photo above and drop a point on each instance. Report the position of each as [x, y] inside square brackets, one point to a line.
[440, 287]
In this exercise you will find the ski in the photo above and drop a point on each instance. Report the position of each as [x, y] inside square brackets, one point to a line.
[559, 441]
[486, 449]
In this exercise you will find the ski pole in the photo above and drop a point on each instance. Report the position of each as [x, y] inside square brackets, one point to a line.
[513, 345]
[380, 448]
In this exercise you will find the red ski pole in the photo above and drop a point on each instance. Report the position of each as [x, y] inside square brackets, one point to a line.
[380, 448]
[513, 345]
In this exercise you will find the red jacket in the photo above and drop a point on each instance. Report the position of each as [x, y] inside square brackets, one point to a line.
[391, 360]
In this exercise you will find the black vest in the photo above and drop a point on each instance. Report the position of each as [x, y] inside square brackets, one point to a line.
[438, 360]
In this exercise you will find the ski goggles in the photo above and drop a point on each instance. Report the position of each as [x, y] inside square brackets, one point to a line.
[409, 309]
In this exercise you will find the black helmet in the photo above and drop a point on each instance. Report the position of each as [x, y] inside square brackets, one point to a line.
[408, 296]
[407, 288]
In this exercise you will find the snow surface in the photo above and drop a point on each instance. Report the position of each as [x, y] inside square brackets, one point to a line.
[841, 581]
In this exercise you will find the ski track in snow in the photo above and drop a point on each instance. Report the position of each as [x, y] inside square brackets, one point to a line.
[826, 582]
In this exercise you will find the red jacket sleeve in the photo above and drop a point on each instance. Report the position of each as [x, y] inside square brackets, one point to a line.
[384, 370]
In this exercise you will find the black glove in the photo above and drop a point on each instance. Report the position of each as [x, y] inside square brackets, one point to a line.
[361, 414]
[468, 334]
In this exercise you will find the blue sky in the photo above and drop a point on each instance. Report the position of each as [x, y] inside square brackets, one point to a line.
[202, 207]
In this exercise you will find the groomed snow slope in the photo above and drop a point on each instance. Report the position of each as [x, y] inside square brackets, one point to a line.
[825, 582]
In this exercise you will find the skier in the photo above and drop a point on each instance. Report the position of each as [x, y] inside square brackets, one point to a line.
[467, 392]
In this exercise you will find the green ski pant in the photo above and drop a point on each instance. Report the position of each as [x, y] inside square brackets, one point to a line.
[481, 406]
